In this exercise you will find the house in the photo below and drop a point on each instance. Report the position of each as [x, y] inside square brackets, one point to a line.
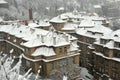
[3, 4]
[88, 28]
[106, 57]
[40, 49]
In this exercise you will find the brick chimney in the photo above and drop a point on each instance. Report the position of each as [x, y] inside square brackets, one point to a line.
[26, 22]
[30, 14]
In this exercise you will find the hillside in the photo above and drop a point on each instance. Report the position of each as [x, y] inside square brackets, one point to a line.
[18, 9]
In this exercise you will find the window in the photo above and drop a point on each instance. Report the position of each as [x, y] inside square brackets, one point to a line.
[114, 66]
[106, 68]
[119, 45]
[63, 63]
[115, 75]
[103, 41]
[71, 60]
[1, 35]
[65, 49]
[117, 54]
[60, 50]
[52, 65]
[78, 19]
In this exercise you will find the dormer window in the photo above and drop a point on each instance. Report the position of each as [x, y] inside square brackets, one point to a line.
[116, 35]
[78, 19]
[20, 31]
[89, 32]
[60, 50]
[104, 41]
[117, 44]
[93, 33]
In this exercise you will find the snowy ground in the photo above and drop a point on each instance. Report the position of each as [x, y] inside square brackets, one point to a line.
[85, 75]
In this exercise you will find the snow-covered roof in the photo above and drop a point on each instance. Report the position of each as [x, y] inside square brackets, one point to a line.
[106, 36]
[22, 31]
[44, 23]
[95, 27]
[81, 31]
[94, 17]
[40, 24]
[86, 23]
[45, 51]
[3, 2]
[97, 6]
[60, 8]
[112, 58]
[33, 25]
[57, 20]
[70, 26]
[45, 60]
[51, 39]
[71, 37]
[117, 32]
[114, 35]
[110, 44]
[98, 18]
[101, 29]
[73, 46]
[38, 37]
[113, 0]
[70, 15]
[48, 8]
[98, 31]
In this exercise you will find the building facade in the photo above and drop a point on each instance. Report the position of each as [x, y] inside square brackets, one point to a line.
[40, 49]
[88, 28]
[106, 57]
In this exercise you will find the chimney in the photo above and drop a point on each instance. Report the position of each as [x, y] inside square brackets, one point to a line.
[66, 37]
[42, 38]
[30, 14]
[26, 22]
[37, 22]
[54, 40]
[38, 36]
